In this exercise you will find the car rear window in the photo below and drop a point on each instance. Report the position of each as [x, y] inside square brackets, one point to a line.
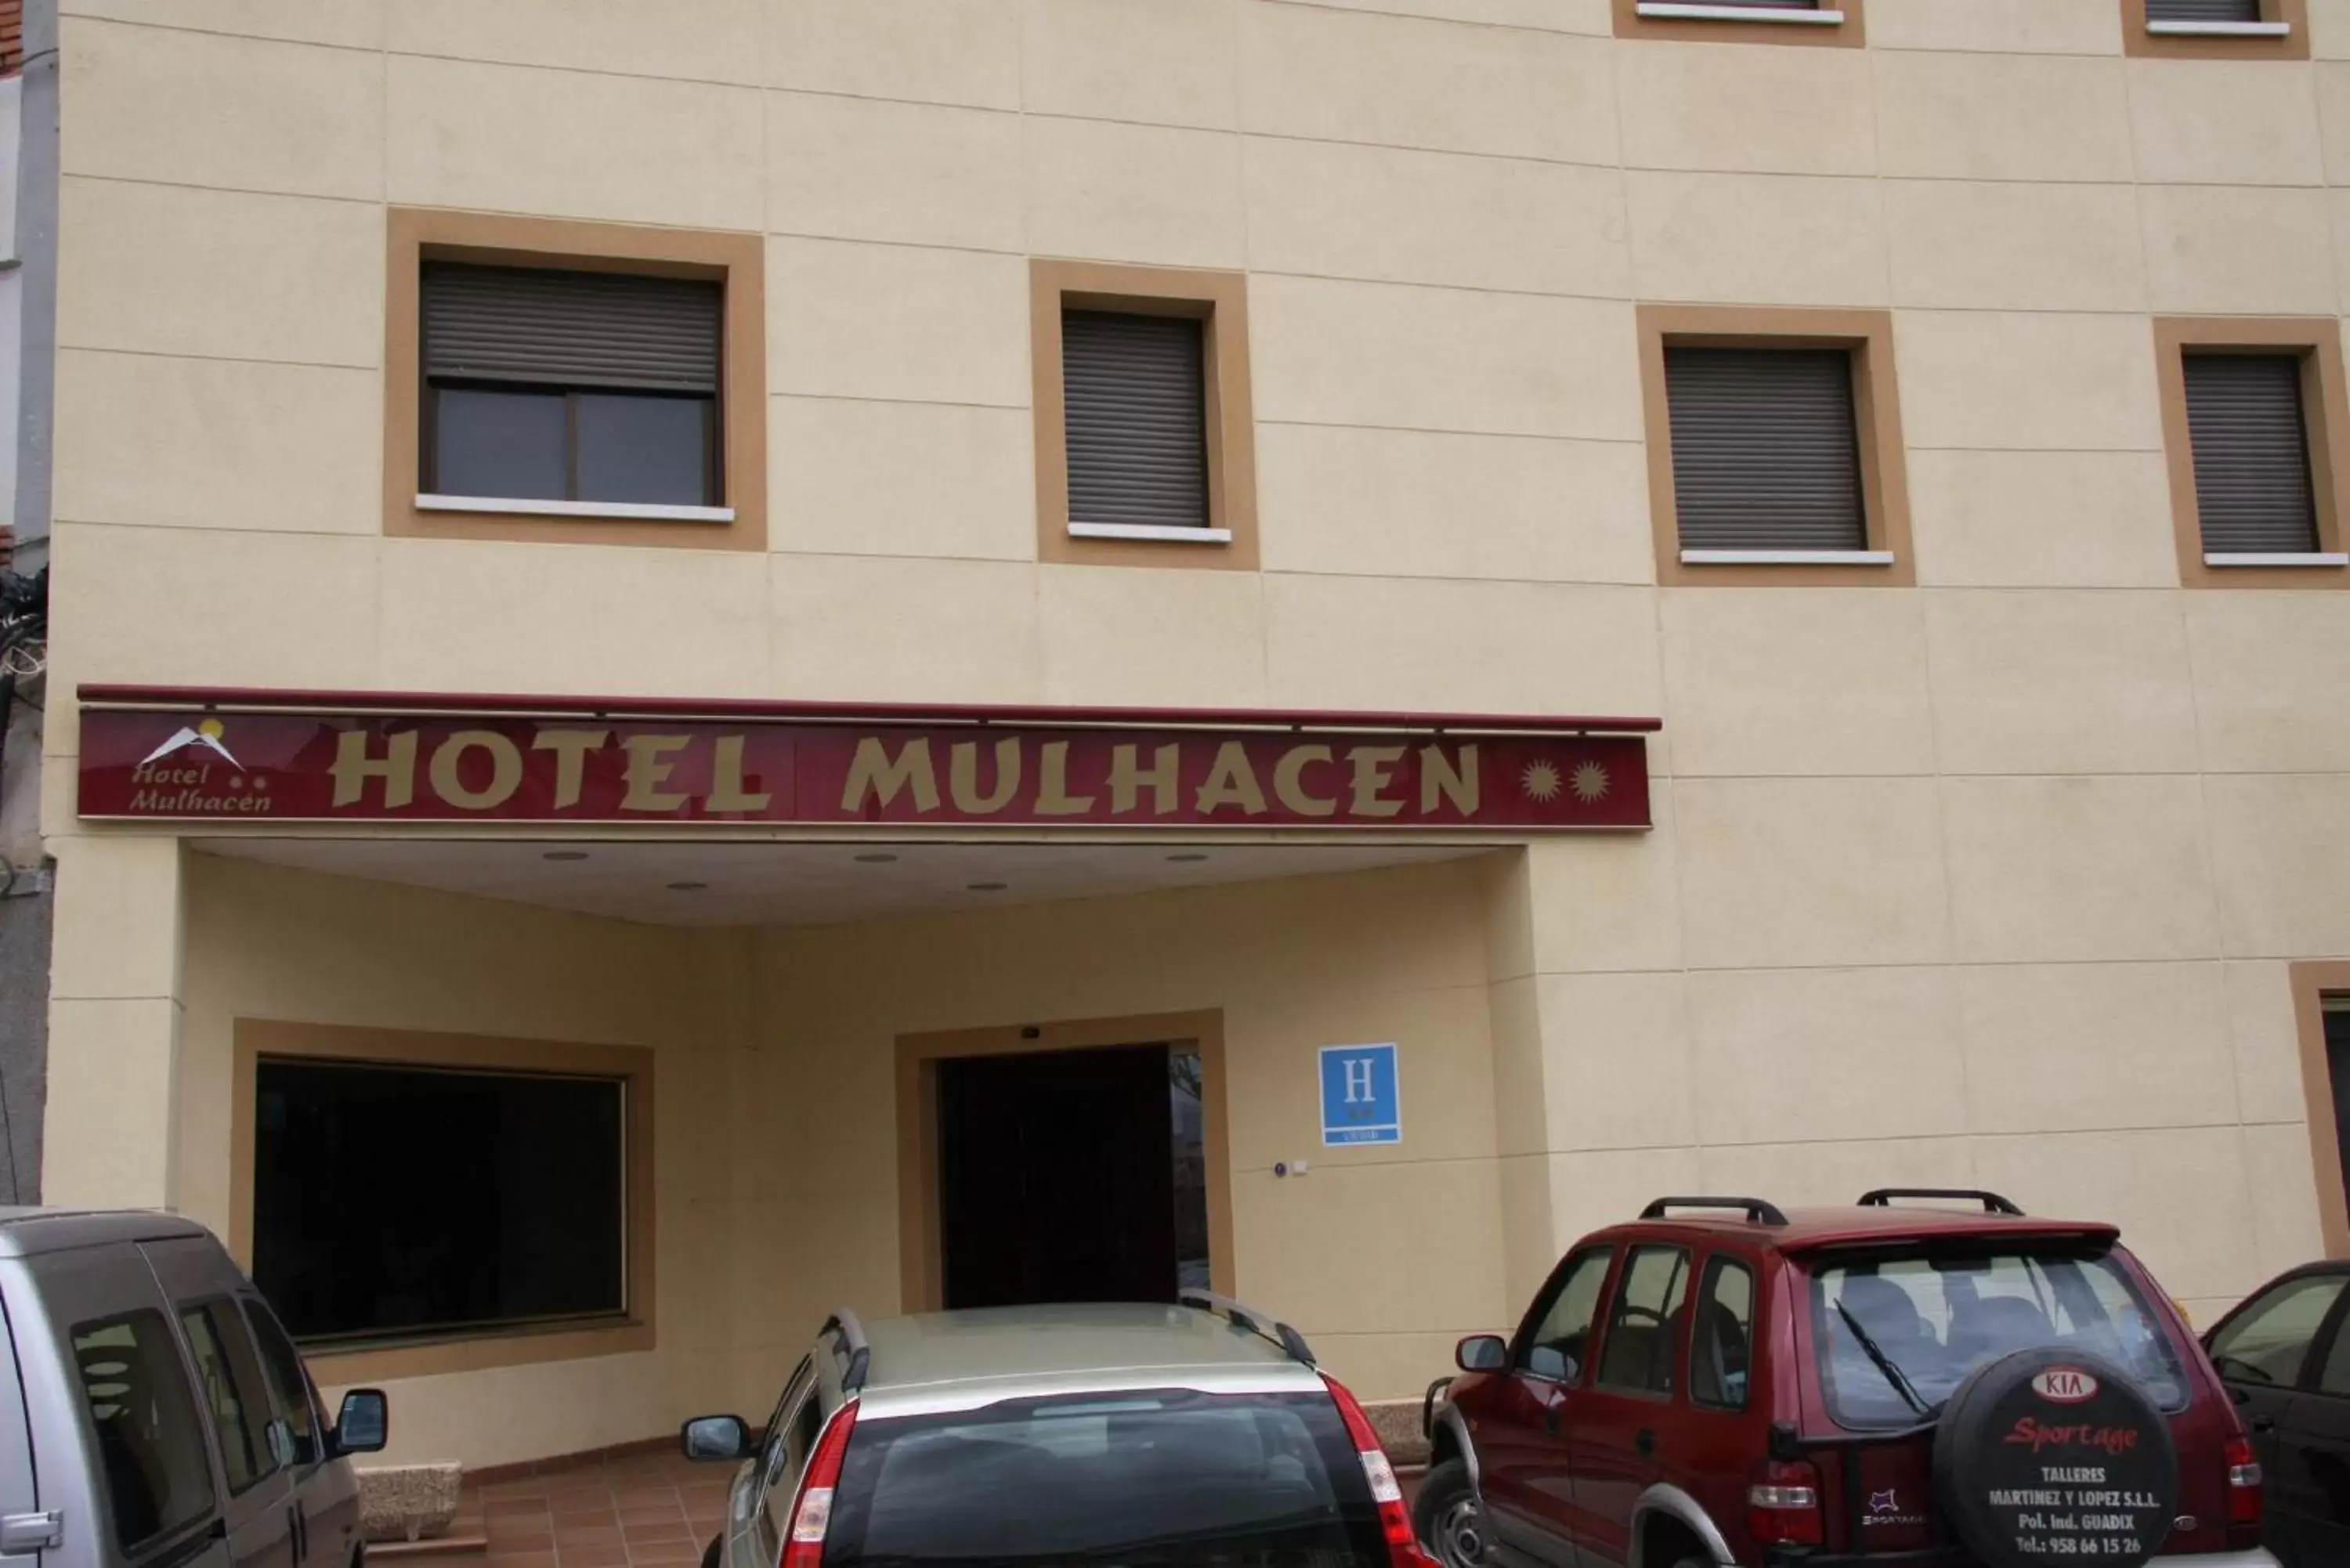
[1174, 1479]
[1933, 1316]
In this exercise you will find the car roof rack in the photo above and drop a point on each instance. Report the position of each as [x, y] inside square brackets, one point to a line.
[856, 1356]
[1242, 1315]
[1757, 1212]
[1883, 1198]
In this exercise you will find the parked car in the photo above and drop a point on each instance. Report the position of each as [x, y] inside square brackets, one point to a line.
[154, 1412]
[2284, 1357]
[1719, 1383]
[1195, 1434]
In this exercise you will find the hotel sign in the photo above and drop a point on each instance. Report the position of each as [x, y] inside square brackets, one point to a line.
[230, 762]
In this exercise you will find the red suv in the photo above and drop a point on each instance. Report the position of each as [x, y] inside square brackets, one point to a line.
[1896, 1383]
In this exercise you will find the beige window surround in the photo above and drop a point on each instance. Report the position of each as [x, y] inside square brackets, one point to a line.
[1866, 335]
[2281, 34]
[738, 261]
[2325, 406]
[1220, 301]
[2314, 984]
[1836, 24]
[422, 1356]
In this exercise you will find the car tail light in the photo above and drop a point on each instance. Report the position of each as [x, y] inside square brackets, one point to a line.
[1394, 1520]
[812, 1510]
[2244, 1487]
[1783, 1505]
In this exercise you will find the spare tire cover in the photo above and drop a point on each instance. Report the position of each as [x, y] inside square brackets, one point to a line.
[2048, 1455]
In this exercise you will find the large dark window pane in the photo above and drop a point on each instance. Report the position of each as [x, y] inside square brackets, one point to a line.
[644, 449]
[403, 1200]
[505, 444]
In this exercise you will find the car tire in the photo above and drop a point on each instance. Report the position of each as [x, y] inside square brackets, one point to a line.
[715, 1550]
[1448, 1517]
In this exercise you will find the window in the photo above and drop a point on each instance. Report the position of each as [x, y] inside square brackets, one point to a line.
[230, 1375]
[1897, 1334]
[2269, 1340]
[1559, 1346]
[1145, 438]
[2253, 414]
[1636, 1357]
[396, 1202]
[2217, 29]
[1774, 446]
[289, 1384]
[559, 385]
[1833, 22]
[151, 1444]
[2334, 1373]
[573, 382]
[1721, 1335]
[791, 1436]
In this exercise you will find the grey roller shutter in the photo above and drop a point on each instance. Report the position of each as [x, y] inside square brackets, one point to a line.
[1765, 453]
[1135, 388]
[552, 328]
[2253, 488]
[2203, 10]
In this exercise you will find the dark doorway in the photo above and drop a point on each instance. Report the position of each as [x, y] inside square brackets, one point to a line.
[1070, 1176]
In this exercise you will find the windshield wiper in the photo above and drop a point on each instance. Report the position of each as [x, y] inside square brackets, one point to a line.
[1893, 1374]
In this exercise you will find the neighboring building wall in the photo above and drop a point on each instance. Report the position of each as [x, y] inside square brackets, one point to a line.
[1993, 878]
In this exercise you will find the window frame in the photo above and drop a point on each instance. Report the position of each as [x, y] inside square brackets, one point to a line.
[1219, 300]
[1867, 336]
[2141, 42]
[2318, 987]
[736, 261]
[215, 1310]
[466, 1349]
[2326, 412]
[1689, 23]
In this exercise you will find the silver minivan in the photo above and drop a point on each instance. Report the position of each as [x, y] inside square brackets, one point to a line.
[154, 1413]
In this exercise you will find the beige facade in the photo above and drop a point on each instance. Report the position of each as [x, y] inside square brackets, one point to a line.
[2008, 869]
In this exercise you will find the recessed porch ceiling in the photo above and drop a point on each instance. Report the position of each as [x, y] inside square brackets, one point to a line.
[796, 884]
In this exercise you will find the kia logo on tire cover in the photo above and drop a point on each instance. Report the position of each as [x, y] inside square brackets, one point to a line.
[2049, 1457]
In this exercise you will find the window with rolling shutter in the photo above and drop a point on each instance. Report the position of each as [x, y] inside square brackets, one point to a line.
[2203, 10]
[570, 385]
[1765, 449]
[2249, 434]
[1134, 390]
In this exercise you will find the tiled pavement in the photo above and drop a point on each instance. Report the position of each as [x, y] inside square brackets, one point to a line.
[644, 1511]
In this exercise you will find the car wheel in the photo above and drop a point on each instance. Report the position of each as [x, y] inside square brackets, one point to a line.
[1451, 1521]
[711, 1552]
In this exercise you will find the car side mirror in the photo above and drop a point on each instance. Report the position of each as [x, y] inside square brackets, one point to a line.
[1550, 1362]
[364, 1423]
[714, 1439]
[1480, 1353]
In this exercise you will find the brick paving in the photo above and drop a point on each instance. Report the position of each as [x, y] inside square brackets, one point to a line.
[644, 1511]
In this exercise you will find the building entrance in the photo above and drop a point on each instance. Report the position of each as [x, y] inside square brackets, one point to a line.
[1071, 1175]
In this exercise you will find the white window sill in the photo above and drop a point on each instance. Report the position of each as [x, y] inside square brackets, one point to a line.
[2220, 29]
[1151, 530]
[2310, 558]
[628, 510]
[1671, 11]
[1786, 557]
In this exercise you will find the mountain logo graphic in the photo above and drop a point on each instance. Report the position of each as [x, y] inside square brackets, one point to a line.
[205, 733]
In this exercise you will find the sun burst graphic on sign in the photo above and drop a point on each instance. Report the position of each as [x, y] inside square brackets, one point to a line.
[1541, 780]
[1590, 782]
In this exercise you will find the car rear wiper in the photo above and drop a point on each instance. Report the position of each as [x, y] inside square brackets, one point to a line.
[1893, 1374]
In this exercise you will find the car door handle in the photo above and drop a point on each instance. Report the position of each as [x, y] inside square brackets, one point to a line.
[2264, 1424]
[1645, 1441]
[1550, 1422]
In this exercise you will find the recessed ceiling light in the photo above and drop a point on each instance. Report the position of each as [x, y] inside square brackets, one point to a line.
[987, 886]
[875, 859]
[565, 855]
[1187, 855]
[687, 887]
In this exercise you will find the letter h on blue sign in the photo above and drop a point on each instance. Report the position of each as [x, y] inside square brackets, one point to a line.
[1361, 1101]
